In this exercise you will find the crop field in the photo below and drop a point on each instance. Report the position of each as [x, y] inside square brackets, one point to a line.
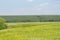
[31, 31]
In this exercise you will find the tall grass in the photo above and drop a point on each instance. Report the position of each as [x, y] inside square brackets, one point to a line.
[31, 31]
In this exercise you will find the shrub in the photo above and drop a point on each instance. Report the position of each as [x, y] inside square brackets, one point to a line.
[2, 23]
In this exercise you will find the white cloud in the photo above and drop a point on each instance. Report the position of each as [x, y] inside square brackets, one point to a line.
[30, 0]
[44, 4]
[41, 6]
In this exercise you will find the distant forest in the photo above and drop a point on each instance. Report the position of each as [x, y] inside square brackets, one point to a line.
[32, 18]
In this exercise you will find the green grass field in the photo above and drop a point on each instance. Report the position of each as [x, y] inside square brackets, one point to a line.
[31, 31]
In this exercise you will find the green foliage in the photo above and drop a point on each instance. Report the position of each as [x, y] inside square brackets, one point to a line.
[2, 20]
[2, 23]
[33, 18]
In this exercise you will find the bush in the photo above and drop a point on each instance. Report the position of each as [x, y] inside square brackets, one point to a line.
[2, 23]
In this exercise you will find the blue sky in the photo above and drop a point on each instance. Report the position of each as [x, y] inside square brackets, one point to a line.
[29, 7]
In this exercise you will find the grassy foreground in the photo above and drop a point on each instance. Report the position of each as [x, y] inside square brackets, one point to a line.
[31, 31]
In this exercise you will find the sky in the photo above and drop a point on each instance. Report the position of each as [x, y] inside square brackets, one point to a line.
[29, 7]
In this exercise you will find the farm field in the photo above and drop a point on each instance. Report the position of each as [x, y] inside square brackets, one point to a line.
[31, 31]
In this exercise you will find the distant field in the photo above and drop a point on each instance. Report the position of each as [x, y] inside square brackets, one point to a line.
[31, 31]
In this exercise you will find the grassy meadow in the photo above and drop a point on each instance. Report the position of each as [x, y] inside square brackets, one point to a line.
[31, 31]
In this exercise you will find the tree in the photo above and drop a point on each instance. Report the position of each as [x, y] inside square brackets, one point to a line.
[2, 23]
